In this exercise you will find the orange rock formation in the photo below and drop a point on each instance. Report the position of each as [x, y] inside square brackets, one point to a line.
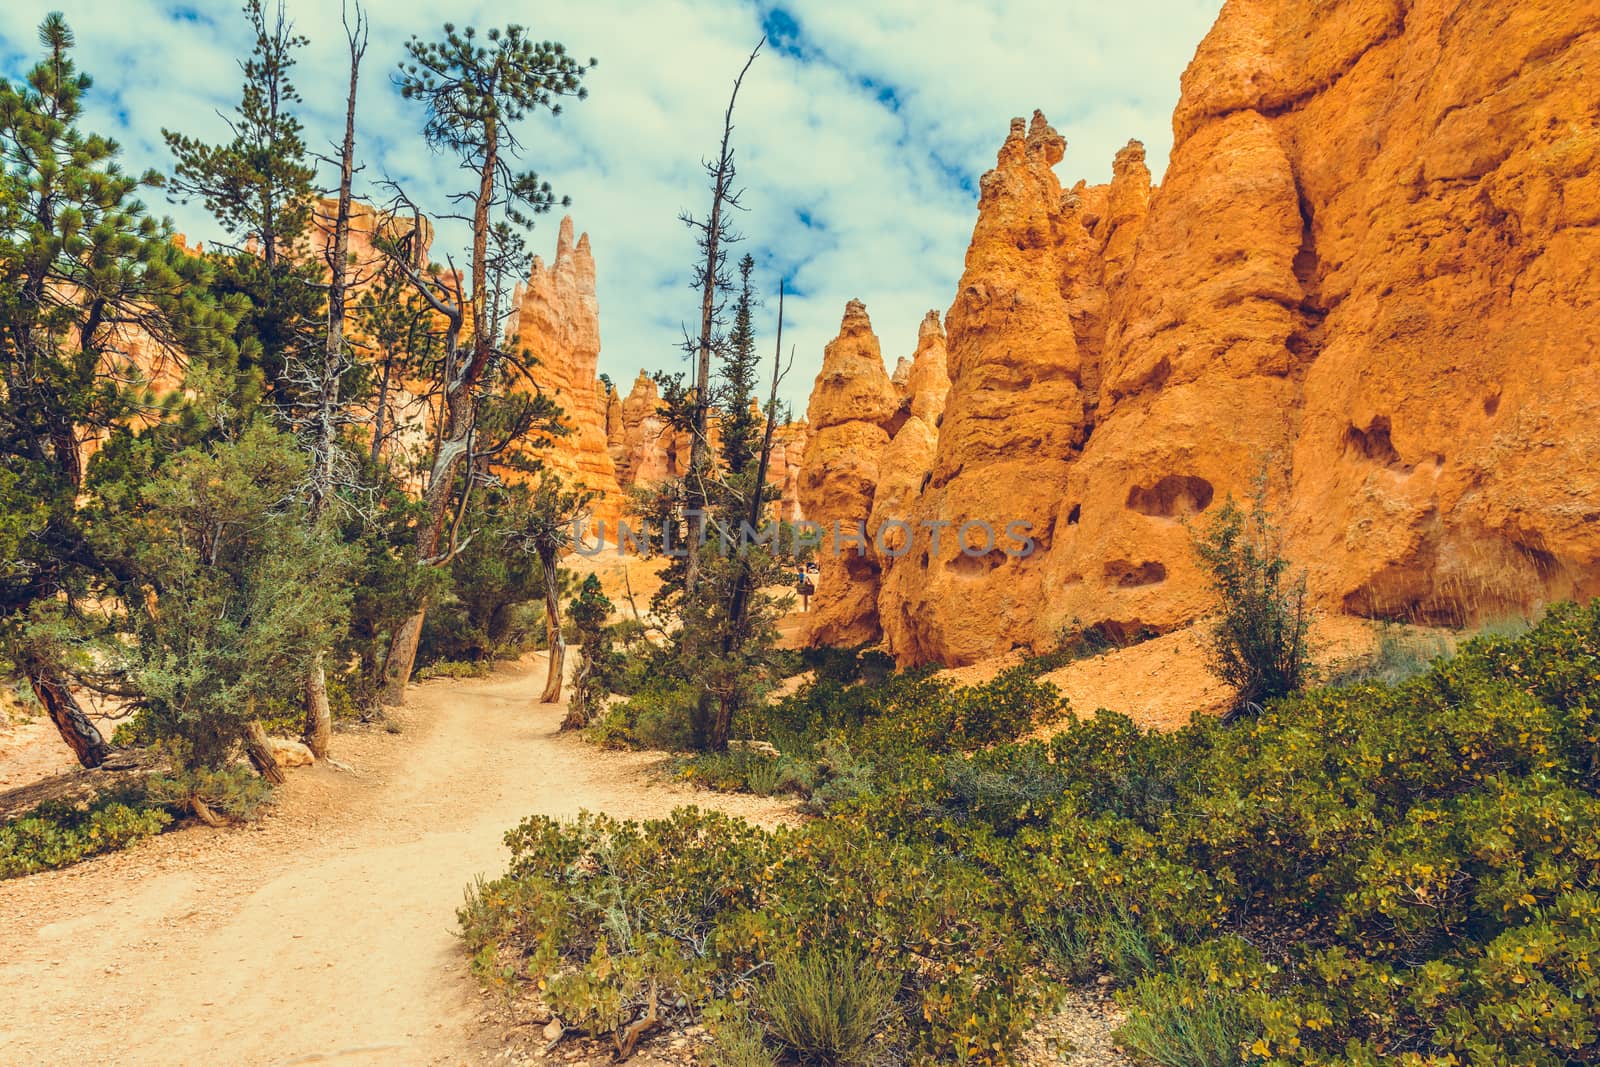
[557, 322]
[853, 413]
[1370, 270]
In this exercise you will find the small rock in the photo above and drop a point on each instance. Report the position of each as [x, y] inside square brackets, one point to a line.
[290, 753]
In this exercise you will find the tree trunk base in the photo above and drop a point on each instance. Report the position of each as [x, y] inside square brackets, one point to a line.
[319, 720]
[76, 730]
[260, 753]
[402, 659]
[553, 673]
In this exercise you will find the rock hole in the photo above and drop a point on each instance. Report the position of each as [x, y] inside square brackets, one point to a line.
[1491, 404]
[1074, 515]
[1373, 443]
[1109, 634]
[1172, 496]
[975, 566]
[1127, 575]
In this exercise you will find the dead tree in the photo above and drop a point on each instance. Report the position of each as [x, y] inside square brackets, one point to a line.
[318, 730]
[712, 281]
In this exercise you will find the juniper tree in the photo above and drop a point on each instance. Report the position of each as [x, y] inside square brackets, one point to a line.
[229, 591]
[474, 91]
[599, 663]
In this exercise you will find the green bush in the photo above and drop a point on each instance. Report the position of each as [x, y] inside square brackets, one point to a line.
[457, 669]
[842, 735]
[1401, 655]
[1175, 1023]
[602, 912]
[234, 793]
[1260, 641]
[828, 1007]
[657, 716]
[1362, 874]
[59, 835]
[736, 1038]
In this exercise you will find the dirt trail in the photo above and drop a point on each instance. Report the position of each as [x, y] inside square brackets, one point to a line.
[324, 933]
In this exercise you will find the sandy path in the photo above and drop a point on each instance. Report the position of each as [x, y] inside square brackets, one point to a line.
[324, 933]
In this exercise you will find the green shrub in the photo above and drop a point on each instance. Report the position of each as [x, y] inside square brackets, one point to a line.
[656, 717]
[601, 912]
[1363, 874]
[736, 1038]
[1260, 642]
[59, 835]
[1401, 655]
[231, 792]
[457, 669]
[1174, 1023]
[828, 1006]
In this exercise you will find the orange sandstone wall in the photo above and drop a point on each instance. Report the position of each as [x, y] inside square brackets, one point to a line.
[1371, 269]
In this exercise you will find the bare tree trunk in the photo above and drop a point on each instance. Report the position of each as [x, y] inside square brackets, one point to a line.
[76, 729]
[458, 409]
[319, 720]
[318, 731]
[402, 659]
[383, 401]
[558, 644]
[259, 750]
[432, 549]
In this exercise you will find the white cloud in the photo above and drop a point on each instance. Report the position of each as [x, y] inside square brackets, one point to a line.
[861, 132]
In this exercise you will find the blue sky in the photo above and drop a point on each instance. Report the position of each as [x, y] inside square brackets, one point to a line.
[861, 132]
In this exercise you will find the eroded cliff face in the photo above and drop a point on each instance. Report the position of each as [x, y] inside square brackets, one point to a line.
[1014, 418]
[558, 323]
[1370, 272]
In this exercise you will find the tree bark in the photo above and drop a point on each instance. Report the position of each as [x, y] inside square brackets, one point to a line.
[558, 645]
[259, 750]
[319, 720]
[76, 730]
[402, 658]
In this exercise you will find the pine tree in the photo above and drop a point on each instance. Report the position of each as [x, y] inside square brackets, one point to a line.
[82, 270]
[260, 184]
[714, 233]
[741, 424]
[475, 92]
